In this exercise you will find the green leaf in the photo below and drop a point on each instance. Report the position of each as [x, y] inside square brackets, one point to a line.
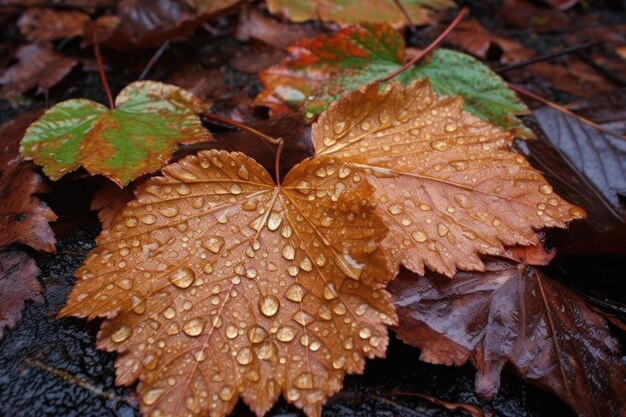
[321, 70]
[485, 94]
[137, 137]
[355, 11]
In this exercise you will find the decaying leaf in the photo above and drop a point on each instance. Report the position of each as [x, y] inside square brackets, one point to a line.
[513, 315]
[109, 200]
[216, 284]
[42, 25]
[23, 217]
[39, 65]
[320, 71]
[18, 284]
[135, 138]
[354, 11]
[447, 183]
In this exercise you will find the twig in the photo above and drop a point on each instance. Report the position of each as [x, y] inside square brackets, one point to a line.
[404, 12]
[545, 57]
[602, 69]
[155, 57]
[103, 77]
[561, 109]
[430, 47]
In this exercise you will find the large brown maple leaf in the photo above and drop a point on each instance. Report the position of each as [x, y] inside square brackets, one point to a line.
[217, 284]
[447, 184]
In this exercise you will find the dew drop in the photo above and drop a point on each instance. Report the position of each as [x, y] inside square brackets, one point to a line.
[304, 187]
[304, 381]
[200, 355]
[269, 305]
[121, 334]
[169, 313]
[168, 211]
[244, 356]
[365, 333]
[442, 229]
[257, 334]
[339, 362]
[339, 126]
[235, 189]
[330, 292]
[324, 312]
[545, 189]
[214, 243]
[274, 221]
[577, 213]
[243, 172]
[295, 293]
[131, 221]
[226, 393]
[231, 331]
[151, 396]
[183, 189]
[440, 145]
[182, 277]
[193, 327]
[306, 264]
[286, 333]
[150, 362]
[395, 209]
[303, 318]
[288, 252]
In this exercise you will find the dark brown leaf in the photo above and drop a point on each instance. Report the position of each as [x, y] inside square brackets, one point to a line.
[18, 284]
[525, 15]
[513, 315]
[41, 25]
[39, 65]
[253, 24]
[108, 201]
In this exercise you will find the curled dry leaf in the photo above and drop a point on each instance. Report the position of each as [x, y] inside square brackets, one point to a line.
[135, 138]
[447, 183]
[354, 11]
[39, 65]
[18, 284]
[42, 25]
[513, 315]
[216, 284]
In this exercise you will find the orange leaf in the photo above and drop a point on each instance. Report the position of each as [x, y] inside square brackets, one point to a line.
[447, 183]
[217, 284]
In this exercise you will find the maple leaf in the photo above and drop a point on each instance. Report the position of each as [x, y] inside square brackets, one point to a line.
[320, 71]
[354, 11]
[135, 138]
[217, 284]
[512, 314]
[39, 65]
[18, 284]
[447, 183]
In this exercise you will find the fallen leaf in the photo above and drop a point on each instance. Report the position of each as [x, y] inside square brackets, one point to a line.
[354, 11]
[513, 315]
[447, 183]
[18, 284]
[216, 284]
[605, 109]
[39, 65]
[149, 23]
[525, 15]
[109, 200]
[42, 25]
[135, 138]
[321, 70]
[23, 217]
[474, 38]
[599, 155]
[470, 409]
[573, 77]
[254, 25]
[561, 4]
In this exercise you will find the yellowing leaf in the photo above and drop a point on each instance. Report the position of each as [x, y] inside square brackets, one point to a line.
[135, 138]
[217, 284]
[447, 183]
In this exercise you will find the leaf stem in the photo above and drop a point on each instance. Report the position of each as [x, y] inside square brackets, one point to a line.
[153, 60]
[279, 153]
[103, 77]
[230, 122]
[561, 109]
[464, 11]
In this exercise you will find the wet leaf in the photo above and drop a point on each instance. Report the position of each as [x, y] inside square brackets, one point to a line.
[135, 138]
[39, 65]
[447, 183]
[354, 11]
[599, 155]
[23, 217]
[18, 284]
[41, 25]
[321, 70]
[216, 284]
[514, 315]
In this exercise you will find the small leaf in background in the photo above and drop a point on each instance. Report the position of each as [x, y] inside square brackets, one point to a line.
[135, 138]
[18, 284]
[447, 183]
[355, 11]
[23, 217]
[109, 200]
[216, 281]
[39, 65]
[513, 315]
[321, 70]
[42, 25]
